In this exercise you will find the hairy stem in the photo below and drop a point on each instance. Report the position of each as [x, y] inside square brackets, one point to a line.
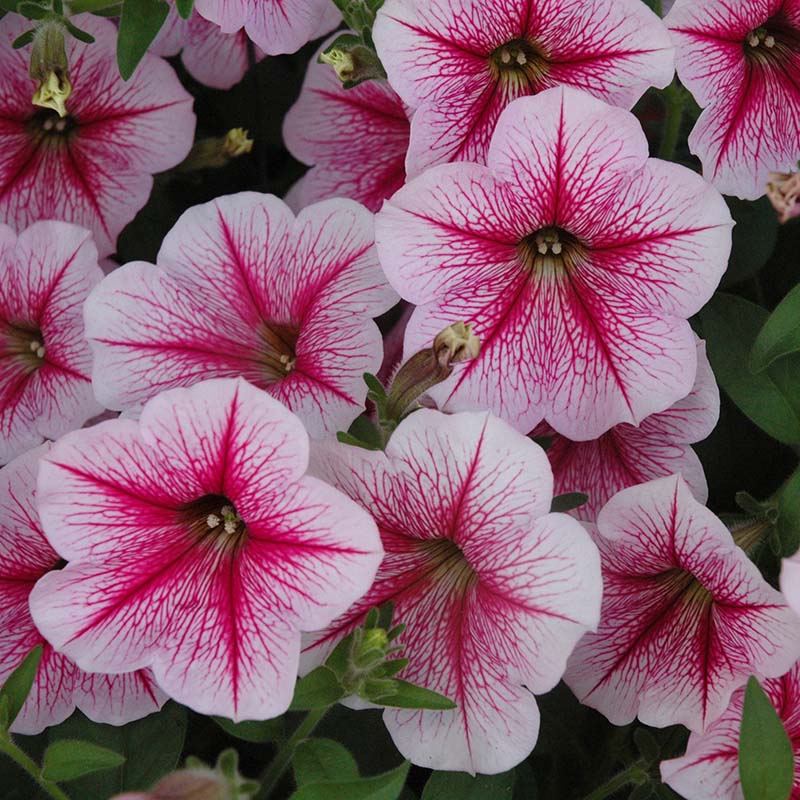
[273, 773]
[21, 758]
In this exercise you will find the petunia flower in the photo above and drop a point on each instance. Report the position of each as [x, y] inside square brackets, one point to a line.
[45, 361]
[628, 455]
[459, 63]
[709, 770]
[575, 257]
[197, 546]
[59, 686]
[276, 26]
[244, 288]
[211, 57]
[790, 581]
[494, 590]
[94, 166]
[741, 62]
[686, 616]
[355, 140]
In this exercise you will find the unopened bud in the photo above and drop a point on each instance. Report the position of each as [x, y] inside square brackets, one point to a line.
[783, 191]
[237, 143]
[456, 343]
[370, 649]
[186, 784]
[49, 67]
[342, 62]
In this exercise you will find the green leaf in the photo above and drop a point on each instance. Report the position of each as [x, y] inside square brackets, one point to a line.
[67, 759]
[407, 695]
[140, 23]
[184, 8]
[317, 760]
[754, 237]
[23, 40]
[788, 523]
[251, 730]
[353, 441]
[17, 687]
[568, 501]
[780, 334]
[460, 786]
[151, 745]
[32, 10]
[730, 325]
[380, 787]
[79, 34]
[766, 758]
[319, 689]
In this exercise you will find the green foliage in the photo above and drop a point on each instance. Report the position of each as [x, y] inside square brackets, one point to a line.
[387, 786]
[317, 760]
[568, 501]
[140, 23]
[780, 335]
[252, 730]
[766, 758]
[68, 759]
[788, 523]
[184, 8]
[319, 689]
[460, 786]
[770, 398]
[151, 746]
[17, 687]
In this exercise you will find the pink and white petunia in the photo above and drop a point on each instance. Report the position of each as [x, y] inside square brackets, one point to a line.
[576, 258]
[709, 770]
[59, 686]
[198, 546]
[93, 167]
[686, 616]
[242, 288]
[459, 63]
[210, 56]
[741, 62]
[628, 455]
[790, 581]
[276, 26]
[495, 590]
[45, 362]
[355, 140]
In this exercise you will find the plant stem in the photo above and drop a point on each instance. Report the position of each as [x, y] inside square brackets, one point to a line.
[31, 767]
[674, 97]
[635, 773]
[269, 779]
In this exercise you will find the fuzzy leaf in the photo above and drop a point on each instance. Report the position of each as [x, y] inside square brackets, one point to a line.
[319, 689]
[317, 760]
[460, 786]
[67, 759]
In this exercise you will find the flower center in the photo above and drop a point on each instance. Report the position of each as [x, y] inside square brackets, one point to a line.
[214, 517]
[46, 124]
[449, 564]
[519, 61]
[278, 352]
[773, 42]
[23, 342]
[551, 251]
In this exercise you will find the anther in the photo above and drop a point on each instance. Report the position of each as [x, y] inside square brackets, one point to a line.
[48, 124]
[556, 248]
[212, 520]
[753, 40]
[769, 41]
[40, 351]
[230, 526]
[60, 125]
[505, 56]
[521, 59]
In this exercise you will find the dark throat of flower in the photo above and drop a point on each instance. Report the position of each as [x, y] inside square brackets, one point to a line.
[776, 42]
[47, 127]
[551, 252]
[449, 565]
[520, 62]
[214, 519]
[277, 353]
[23, 342]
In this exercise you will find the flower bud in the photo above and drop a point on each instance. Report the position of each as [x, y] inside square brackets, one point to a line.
[783, 191]
[342, 62]
[186, 784]
[456, 343]
[216, 151]
[49, 67]
[353, 60]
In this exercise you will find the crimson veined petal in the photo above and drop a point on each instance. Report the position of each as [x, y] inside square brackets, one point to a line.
[628, 455]
[709, 769]
[459, 63]
[741, 62]
[576, 259]
[93, 167]
[495, 591]
[686, 616]
[210, 56]
[59, 686]
[355, 140]
[276, 26]
[243, 288]
[45, 360]
[197, 547]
